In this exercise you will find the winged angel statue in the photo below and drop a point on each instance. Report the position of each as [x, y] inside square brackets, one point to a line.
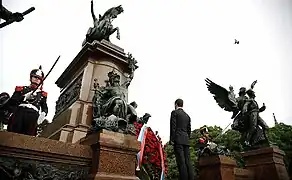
[245, 111]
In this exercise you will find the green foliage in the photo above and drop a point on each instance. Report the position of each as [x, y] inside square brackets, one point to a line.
[281, 134]
[173, 171]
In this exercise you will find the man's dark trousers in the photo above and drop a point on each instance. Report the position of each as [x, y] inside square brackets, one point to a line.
[182, 154]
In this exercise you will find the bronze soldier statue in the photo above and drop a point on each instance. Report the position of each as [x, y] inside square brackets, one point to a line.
[10, 17]
[251, 108]
[7, 15]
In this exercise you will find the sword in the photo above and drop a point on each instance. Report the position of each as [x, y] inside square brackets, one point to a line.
[13, 20]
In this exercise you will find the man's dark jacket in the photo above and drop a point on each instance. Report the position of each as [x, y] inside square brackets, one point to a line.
[180, 127]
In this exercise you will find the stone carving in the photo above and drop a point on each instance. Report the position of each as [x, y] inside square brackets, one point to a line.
[110, 109]
[245, 113]
[144, 120]
[13, 169]
[132, 63]
[103, 27]
[69, 96]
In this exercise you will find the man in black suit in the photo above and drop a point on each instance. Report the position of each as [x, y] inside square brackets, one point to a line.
[180, 131]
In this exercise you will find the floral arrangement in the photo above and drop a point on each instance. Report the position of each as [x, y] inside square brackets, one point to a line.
[151, 160]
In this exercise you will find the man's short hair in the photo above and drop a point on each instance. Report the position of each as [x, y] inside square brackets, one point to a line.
[179, 102]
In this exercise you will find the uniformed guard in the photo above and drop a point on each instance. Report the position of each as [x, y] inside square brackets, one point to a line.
[29, 101]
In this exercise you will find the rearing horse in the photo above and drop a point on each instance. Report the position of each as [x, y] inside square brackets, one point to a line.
[103, 27]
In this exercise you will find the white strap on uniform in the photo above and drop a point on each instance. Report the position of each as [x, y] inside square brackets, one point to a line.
[29, 106]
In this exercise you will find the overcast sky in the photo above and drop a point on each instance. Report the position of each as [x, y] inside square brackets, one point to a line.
[177, 44]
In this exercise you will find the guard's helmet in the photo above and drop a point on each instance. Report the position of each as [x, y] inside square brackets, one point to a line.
[37, 73]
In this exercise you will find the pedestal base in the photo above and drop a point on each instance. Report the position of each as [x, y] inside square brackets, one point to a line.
[114, 155]
[243, 174]
[266, 163]
[217, 168]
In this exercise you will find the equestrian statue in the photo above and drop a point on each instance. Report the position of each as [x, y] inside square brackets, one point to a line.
[102, 26]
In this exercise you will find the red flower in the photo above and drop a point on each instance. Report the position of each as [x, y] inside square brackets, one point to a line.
[151, 156]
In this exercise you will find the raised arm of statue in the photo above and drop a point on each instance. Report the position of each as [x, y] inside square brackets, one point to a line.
[263, 108]
[92, 12]
[253, 84]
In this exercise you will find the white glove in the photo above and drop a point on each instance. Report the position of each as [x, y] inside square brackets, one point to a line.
[41, 117]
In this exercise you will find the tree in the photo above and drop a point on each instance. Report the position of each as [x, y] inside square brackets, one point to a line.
[280, 134]
[195, 135]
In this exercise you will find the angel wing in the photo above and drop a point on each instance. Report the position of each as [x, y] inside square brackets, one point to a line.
[225, 99]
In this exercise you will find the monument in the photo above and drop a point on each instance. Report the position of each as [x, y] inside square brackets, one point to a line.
[99, 61]
[262, 159]
[93, 108]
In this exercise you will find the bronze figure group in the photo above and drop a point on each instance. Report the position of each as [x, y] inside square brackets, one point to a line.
[246, 113]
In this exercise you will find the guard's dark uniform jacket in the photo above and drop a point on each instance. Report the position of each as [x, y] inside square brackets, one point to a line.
[24, 119]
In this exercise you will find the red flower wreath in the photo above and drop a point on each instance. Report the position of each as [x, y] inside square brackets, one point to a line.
[151, 157]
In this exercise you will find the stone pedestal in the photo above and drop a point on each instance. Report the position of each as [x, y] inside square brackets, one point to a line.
[42, 158]
[266, 163]
[114, 155]
[216, 168]
[243, 174]
[73, 114]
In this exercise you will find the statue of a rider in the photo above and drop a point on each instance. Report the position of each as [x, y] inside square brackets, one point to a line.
[103, 27]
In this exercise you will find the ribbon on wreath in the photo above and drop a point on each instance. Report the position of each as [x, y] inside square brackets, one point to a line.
[142, 139]
[162, 177]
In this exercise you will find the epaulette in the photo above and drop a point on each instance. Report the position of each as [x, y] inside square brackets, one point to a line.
[45, 94]
[19, 88]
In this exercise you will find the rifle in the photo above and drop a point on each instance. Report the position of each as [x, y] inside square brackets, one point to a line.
[221, 132]
[13, 20]
[46, 75]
